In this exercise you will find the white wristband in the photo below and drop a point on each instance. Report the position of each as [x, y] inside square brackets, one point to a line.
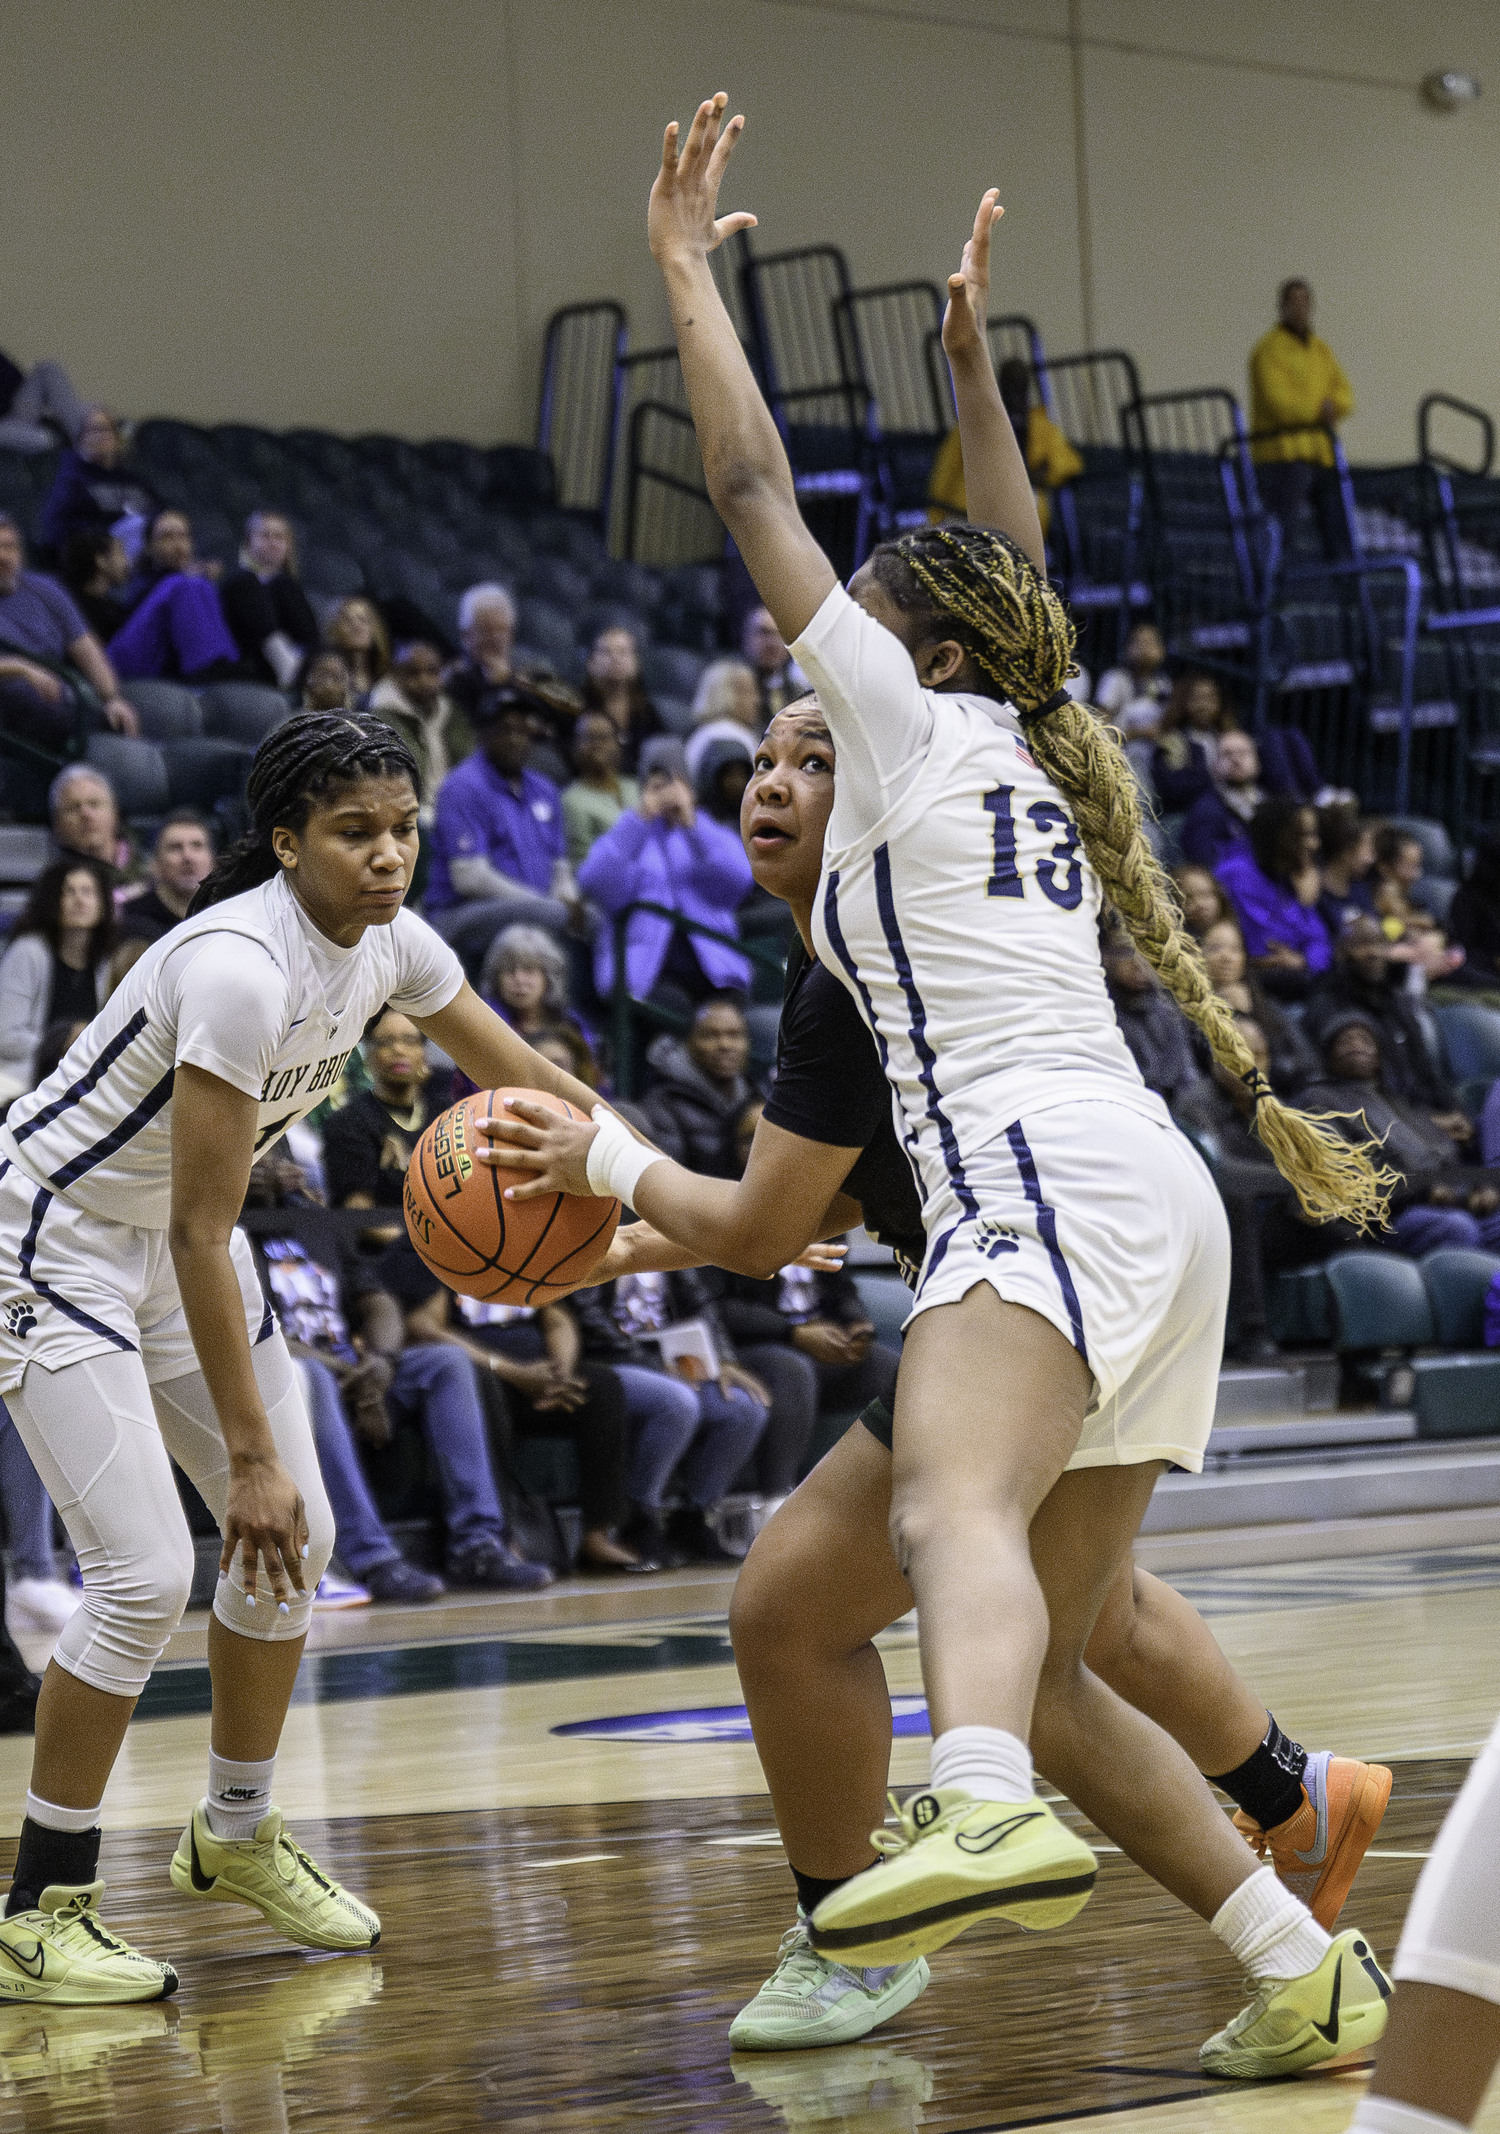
[617, 1159]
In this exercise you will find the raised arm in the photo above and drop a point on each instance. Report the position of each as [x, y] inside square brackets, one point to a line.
[995, 478]
[744, 461]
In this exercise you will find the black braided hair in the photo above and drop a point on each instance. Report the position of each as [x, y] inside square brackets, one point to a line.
[300, 763]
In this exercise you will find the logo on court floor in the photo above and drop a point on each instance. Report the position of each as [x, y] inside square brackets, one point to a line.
[20, 1319]
[717, 1722]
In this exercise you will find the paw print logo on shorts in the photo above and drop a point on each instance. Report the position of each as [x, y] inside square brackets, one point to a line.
[20, 1319]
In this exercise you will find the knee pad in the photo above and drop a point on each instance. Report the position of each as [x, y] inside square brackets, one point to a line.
[130, 1609]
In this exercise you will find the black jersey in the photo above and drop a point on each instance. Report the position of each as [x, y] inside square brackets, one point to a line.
[831, 1087]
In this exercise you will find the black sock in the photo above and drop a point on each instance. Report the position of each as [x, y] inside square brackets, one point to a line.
[47, 1856]
[812, 1889]
[1268, 1785]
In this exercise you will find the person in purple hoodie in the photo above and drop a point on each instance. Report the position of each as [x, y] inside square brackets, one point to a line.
[1274, 884]
[666, 850]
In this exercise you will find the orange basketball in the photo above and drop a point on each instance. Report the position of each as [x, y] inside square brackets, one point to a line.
[478, 1242]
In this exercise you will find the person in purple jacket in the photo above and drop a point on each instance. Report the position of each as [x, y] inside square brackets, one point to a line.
[665, 850]
[1274, 883]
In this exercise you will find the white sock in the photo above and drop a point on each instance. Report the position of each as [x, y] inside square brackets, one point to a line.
[1382, 2115]
[984, 1761]
[51, 1817]
[1267, 1931]
[238, 1795]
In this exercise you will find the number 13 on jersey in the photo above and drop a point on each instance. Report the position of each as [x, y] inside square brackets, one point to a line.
[1059, 872]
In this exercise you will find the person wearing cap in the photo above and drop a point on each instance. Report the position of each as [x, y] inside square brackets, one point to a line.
[499, 849]
[667, 850]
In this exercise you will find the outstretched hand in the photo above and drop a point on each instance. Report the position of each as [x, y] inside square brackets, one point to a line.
[964, 320]
[526, 1136]
[682, 218]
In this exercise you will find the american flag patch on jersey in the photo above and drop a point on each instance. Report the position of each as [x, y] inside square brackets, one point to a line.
[1026, 757]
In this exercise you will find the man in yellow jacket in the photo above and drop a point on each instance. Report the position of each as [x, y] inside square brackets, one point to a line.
[1296, 378]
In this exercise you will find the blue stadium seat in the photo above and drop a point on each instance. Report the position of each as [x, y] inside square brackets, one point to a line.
[1457, 1282]
[669, 670]
[241, 711]
[168, 711]
[135, 771]
[201, 773]
[1471, 1039]
[1379, 1302]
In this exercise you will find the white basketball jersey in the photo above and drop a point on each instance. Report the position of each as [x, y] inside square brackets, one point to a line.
[956, 905]
[249, 991]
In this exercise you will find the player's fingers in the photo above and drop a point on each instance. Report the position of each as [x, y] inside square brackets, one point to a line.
[691, 153]
[724, 147]
[533, 1189]
[507, 1158]
[249, 1563]
[727, 225]
[669, 150]
[514, 1133]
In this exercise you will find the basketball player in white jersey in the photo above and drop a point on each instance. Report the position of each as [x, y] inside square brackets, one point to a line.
[1069, 1228]
[133, 1330]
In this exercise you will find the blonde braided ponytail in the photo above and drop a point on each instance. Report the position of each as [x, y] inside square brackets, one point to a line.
[986, 594]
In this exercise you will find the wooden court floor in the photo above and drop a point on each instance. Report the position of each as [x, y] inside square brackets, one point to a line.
[571, 1919]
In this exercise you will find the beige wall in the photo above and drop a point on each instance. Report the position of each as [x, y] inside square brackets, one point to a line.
[360, 213]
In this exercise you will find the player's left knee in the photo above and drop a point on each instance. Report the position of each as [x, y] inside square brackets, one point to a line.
[320, 1537]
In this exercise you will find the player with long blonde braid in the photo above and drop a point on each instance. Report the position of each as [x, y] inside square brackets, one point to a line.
[978, 825]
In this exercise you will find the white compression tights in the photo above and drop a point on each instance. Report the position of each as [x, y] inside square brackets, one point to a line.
[1452, 1932]
[100, 1438]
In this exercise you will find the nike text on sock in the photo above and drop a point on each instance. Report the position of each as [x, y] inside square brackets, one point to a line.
[984, 1761]
[69, 1858]
[1268, 1784]
[1383, 2115]
[238, 1795]
[1267, 1931]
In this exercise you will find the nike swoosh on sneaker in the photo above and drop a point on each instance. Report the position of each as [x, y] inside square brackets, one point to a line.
[1330, 2029]
[986, 1840]
[201, 1881]
[33, 1965]
[1317, 1852]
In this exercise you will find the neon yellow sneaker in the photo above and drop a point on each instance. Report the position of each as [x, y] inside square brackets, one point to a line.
[1296, 2023]
[812, 2000]
[956, 1860]
[274, 1875]
[63, 1953]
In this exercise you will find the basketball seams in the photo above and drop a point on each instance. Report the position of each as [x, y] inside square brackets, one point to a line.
[423, 1150]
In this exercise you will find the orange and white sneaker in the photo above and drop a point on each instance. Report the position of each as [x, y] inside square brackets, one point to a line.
[1316, 1852]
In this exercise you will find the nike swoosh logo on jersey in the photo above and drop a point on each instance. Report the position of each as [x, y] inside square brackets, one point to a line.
[33, 1965]
[975, 1841]
[1330, 2029]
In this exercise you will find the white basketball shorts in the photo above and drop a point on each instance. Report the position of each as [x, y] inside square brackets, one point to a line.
[74, 1285]
[1109, 1225]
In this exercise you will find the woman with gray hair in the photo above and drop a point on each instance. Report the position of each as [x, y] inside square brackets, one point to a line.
[525, 977]
[726, 707]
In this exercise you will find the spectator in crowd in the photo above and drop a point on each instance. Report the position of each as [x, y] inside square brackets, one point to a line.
[94, 486]
[43, 641]
[725, 708]
[525, 980]
[355, 628]
[1219, 1117]
[1474, 915]
[612, 685]
[37, 1602]
[694, 1429]
[1398, 875]
[1293, 1060]
[181, 859]
[1298, 386]
[85, 817]
[1347, 846]
[95, 566]
[346, 1407]
[1050, 459]
[663, 851]
[327, 682]
[1193, 720]
[723, 774]
[1366, 977]
[499, 853]
[176, 628]
[701, 1090]
[1203, 901]
[600, 792]
[412, 699]
[1437, 1202]
[57, 963]
[1139, 682]
[778, 678]
[808, 1337]
[427, 1383]
[568, 1048]
[368, 1142]
[1151, 1022]
[1218, 821]
[37, 407]
[551, 1390]
[486, 675]
[1274, 884]
[268, 614]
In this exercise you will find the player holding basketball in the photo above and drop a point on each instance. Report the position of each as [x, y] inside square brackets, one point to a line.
[1068, 1225]
[133, 1331]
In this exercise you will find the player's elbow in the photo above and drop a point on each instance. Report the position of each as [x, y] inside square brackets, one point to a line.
[192, 1235]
